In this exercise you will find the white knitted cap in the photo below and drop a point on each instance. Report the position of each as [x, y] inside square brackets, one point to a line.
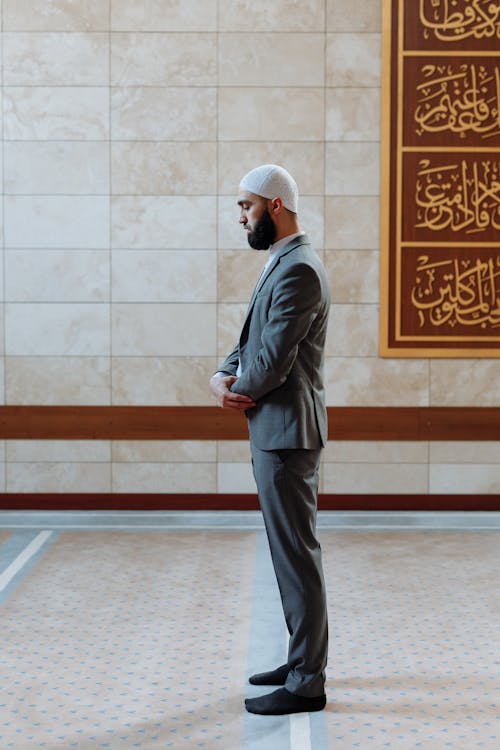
[272, 181]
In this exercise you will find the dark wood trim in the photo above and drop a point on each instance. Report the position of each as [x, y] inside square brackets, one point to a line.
[459, 423]
[121, 423]
[127, 501]
[200, 502]
[410, 502]
[212, 423]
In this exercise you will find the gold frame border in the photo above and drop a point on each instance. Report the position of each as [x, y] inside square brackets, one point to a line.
[385, 162]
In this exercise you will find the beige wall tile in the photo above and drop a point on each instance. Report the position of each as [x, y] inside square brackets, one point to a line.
[353, 114]
[464, 382]
[460, 479]
[376, 452]
[352, 331]
[163, 381]
[56, 15]
[263, 59]
[56, 221]
[57, 329]
[38, 168]
[353, 60]
[305, 161]
[354, 15]
[151, 330]
[390, 479]
[164, 168]
[164, 15]
[161, 114]
[237, 273]
[164, 477]
[164, 276]
[164, 59]
[244, 114]
[56, 59]
[280, 15]
[234, 451]
[58, 451]
[2, 477]
[164, 451]
[2, 335]
[312, 220]
[2, 233]
[56, 113]
[464, 452]
[235, 477]
[352, 169]
[353, 275]
[58, 477]
[365, 381]
[57, 276]
[158, 222]
[352, 223]
[50, 381]
[3, 389]
[1, 161]
[230, 319]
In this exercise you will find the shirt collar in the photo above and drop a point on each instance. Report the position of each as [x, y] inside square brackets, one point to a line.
[280, 244]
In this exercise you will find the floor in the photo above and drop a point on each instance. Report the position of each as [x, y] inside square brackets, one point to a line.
[138, 630]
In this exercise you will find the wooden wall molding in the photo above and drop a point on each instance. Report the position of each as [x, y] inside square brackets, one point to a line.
[243, 502]
[213, 423]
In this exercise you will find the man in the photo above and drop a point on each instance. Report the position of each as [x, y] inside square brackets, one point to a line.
[274, 374]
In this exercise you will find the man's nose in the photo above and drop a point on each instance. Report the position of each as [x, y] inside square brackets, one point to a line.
[243, 219]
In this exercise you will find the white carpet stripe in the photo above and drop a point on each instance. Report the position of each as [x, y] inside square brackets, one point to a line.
[24, 557]
[300, 726]
[300, 732]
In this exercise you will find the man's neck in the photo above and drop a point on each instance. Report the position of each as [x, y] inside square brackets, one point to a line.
[286, 230]
[279, 244]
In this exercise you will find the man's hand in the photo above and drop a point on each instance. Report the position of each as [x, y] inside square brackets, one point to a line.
[226, 398]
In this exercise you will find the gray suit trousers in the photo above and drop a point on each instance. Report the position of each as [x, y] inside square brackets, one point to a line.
[287, 483]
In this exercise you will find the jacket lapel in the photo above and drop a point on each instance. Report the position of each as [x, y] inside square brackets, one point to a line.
[296, 242]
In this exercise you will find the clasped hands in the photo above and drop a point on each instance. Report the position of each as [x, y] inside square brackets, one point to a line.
[227, 399]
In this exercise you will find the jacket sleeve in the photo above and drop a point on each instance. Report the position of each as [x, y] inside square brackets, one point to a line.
[296, 299]
[230, 364]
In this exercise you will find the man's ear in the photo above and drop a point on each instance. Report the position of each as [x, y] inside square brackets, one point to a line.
[276, 205]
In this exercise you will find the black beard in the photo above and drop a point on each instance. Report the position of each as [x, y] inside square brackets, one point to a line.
[263, 234]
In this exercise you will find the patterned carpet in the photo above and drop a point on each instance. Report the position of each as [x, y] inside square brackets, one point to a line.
[144, 639]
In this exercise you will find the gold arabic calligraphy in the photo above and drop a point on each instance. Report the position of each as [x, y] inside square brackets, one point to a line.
[459, 99]
[446, 132]
[479, 19]
[460, 197]
[456, 291]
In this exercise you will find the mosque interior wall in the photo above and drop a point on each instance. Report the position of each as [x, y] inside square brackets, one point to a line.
[125, 276]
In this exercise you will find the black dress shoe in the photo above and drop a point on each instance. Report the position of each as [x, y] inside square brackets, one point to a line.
[284, 702]
[274, 677]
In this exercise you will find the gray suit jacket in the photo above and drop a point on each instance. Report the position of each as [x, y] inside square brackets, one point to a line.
[281, 349]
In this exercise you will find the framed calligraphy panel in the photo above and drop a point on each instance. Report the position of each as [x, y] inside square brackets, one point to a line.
[440, 223]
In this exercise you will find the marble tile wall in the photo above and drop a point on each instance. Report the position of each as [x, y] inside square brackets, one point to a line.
[125, 276]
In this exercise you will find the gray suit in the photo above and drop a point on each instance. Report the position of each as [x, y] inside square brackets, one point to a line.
[281, 351]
